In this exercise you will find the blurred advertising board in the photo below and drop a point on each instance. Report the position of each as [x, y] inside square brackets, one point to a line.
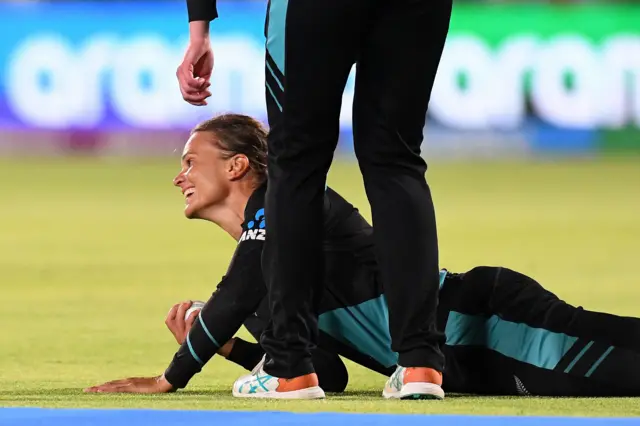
[540, 75]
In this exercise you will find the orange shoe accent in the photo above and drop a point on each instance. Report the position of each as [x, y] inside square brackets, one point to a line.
[422, 375]
[298, 383]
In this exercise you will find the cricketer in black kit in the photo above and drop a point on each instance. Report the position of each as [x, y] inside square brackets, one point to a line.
[505, 333]
[311, 47]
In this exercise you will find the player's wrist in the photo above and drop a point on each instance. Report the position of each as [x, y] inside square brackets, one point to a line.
[164, 385]
[180, 372]
[199, 32]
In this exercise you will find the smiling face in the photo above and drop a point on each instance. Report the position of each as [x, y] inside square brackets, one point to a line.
[202, 178]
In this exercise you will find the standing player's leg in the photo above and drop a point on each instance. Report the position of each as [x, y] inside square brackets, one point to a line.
[394, 79]
[509, 335]
[311, 47]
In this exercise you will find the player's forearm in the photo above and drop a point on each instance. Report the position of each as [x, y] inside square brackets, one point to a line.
[201, 343]
[202, 10]
[236, 298]
[198, 348]
[220, 318]
[182, 368]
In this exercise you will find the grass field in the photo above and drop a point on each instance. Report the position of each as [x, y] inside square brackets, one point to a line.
[93, 254]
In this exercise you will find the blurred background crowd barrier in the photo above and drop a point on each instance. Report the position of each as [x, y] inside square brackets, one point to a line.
[516, 78]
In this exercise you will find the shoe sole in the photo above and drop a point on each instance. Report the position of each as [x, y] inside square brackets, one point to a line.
[416, 391]
[309, 393]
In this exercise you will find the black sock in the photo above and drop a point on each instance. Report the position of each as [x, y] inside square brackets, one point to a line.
[245, 354]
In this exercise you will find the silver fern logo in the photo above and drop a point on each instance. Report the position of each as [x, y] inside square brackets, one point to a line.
[520, 387]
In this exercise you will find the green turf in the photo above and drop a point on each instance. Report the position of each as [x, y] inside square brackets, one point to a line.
[93, 254]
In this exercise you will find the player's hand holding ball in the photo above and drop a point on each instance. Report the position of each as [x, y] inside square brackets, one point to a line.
[181, 317]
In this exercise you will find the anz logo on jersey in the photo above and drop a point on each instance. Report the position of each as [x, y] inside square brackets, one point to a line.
[257, 228]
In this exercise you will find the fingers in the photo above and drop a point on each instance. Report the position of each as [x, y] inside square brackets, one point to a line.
[156, 384]
[194, 73]
[177, 312]
[193, 89]
[175, 321]
[188, 81]
[182, 310]
[102, 389]
[192, 318]
[191, 85]
[171, 316]
[197, 98]
[123, 385]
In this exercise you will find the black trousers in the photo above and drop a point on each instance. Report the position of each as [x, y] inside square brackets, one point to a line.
[507, 335]
[311, 48]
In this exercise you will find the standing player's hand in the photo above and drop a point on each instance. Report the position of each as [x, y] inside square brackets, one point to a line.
[134, 385]
[176, 322]
[194, 73]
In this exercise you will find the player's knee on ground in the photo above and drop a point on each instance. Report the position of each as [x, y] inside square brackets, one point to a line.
[332, 373]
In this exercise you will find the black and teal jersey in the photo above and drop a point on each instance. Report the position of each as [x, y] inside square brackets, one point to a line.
[352, 292]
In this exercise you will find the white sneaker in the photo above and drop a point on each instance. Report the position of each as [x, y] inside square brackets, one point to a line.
[259, 384]
[399, 386]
